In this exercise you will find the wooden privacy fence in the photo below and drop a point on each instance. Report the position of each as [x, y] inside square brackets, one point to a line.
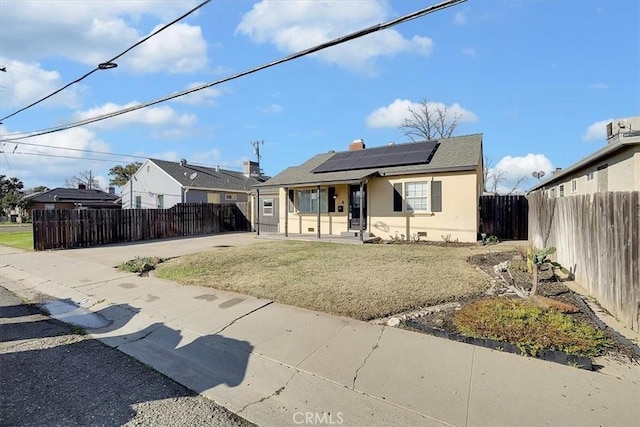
[597, 238]
[65, 229]
[505, 217]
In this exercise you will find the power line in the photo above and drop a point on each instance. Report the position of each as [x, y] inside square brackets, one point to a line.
[82, 150]
[107, 64]
[352, 36]
[43, 154]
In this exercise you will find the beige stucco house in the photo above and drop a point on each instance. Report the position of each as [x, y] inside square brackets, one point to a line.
[615, 167]
[426, 189]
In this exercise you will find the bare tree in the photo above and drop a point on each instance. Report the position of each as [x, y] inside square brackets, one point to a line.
[494, 177]
[85, 178]
[430, 121]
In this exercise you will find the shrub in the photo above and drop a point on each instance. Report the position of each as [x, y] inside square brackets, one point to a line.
[530, 327]
[140, 264]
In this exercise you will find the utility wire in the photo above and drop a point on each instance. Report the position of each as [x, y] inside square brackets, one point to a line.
[107, 62]
[352, 36]
[83, 150]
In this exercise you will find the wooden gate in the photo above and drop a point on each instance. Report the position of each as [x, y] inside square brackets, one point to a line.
[506, 217]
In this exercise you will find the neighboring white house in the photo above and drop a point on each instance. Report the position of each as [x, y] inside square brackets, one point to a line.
[615, 167]
[160, 184]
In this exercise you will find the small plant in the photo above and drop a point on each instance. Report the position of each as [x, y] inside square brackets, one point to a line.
[140, 265]
[530, 327]
[492, 240]
[540, 262]
[522, 252]
[77, 330]
[447, 238]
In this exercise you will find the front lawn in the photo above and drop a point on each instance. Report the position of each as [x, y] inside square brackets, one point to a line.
[18, 239]
[359, 281]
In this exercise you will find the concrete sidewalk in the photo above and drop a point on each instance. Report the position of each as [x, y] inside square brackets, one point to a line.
[279, 365]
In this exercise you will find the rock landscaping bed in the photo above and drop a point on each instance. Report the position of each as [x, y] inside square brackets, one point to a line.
[556, 325]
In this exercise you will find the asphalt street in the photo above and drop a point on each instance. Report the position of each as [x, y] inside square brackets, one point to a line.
[52, 374]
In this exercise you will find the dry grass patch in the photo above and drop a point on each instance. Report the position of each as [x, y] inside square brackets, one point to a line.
[359, 281]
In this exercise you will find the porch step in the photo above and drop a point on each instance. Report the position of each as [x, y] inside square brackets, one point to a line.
[365, 234]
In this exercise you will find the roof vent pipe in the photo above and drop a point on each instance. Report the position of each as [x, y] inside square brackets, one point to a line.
[183, 162]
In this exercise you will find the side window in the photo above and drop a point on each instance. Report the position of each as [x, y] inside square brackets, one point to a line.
[267, 207]
[138, 202]
[160, 201]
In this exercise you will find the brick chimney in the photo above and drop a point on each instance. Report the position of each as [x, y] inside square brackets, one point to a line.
[250, 168]
[357, 144]
[82, 186]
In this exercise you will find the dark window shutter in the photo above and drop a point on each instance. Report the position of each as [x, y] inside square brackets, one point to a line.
[397, 197]
[290, 201]
[332, 199]
[436, 196]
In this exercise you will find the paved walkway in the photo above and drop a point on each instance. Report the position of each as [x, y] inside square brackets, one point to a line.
[279, 365]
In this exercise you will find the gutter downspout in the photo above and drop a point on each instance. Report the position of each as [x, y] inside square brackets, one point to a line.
[361, 210]
[258, 211]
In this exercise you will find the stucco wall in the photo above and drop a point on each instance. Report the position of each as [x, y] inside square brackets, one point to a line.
[458, 218]
[207, 196]
[622, 174]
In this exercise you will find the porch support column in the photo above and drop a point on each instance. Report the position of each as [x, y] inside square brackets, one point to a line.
[319, 201]
[258, 211]
[286, 212]
[361, 210]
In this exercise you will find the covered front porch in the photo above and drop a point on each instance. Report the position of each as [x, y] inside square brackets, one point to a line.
[327, 210]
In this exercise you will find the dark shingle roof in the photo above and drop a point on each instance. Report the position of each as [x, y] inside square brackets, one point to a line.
[453, 154]
[74, 195]
[210, 178]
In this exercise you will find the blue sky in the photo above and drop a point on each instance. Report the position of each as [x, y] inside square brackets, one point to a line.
[539, 79]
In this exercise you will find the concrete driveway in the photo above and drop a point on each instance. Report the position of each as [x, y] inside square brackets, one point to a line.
[112, 255]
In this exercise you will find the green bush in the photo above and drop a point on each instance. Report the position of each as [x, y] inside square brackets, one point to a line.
[530, 327]
[140, 264]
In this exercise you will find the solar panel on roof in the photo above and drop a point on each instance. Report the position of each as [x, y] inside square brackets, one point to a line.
[390, 155]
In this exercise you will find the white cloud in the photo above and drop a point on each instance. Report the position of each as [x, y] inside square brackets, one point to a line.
[178, 49]
[273, 109]
[393, 115]
[510, 169]
[294, 26]
[460, 18]
[91, 32]
[151, 116]
[599, 86]
[597, 131]
[55, 156]
[24, 83]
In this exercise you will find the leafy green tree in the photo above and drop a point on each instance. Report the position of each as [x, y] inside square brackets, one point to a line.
[122, 174]
[9, 192]
[39, 189]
